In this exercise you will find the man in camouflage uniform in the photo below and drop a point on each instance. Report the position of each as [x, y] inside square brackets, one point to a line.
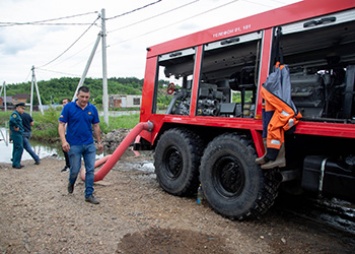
[16, 130]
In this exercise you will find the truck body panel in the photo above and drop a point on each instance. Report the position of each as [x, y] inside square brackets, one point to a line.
[202, 91]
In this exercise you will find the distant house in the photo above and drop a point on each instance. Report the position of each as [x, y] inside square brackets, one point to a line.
[11, 101]
[125, 101]
[19, 98]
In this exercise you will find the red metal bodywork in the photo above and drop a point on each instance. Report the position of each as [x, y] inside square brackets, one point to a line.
[263, 21]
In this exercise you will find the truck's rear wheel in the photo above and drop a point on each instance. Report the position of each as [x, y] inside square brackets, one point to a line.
[232, 182]
[176, 160]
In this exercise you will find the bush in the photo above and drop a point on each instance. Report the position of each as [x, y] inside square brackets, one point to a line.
[46, 126]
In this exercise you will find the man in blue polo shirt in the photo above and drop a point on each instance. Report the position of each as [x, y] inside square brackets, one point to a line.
[79, 118]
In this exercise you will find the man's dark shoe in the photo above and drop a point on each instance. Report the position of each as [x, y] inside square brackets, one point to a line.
[64, 169]
[18, 167]
[70, 188]
[37, 162]
[91, 199]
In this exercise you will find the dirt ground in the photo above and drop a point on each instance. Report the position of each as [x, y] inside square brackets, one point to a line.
[136, 216]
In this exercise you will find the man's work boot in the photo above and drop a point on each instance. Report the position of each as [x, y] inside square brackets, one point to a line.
[70, 188]
[91, 199]
[279, 162]
[263, 159]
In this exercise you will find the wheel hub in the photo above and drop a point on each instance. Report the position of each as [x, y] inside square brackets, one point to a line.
[228, 176]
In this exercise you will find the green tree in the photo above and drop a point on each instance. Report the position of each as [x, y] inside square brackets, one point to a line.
[54, 90]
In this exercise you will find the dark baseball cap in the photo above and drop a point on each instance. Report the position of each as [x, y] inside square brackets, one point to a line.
[21, 104]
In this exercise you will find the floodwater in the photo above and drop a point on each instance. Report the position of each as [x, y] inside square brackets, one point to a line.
[43, 150]
[40, 149]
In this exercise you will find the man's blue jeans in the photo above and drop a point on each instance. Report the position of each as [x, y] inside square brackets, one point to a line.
[88, 153]
[27, 146]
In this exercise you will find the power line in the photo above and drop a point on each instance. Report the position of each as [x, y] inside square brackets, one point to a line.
[59, 72]
[44, 22]
[140, 22]
[74, 54]
[72, 43]
[160, 14]
[137, 9]
[182, 20]
[134, 10]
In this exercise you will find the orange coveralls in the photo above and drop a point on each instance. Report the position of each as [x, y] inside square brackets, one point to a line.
[276, 92]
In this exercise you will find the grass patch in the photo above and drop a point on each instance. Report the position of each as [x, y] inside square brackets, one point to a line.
[46, 125]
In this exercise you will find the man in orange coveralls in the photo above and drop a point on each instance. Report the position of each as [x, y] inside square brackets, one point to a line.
[276, 92]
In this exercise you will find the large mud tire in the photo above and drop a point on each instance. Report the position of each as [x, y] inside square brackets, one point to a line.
[233, 184]
[176, 161]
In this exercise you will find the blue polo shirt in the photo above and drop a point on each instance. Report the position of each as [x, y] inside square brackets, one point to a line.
[79, 123]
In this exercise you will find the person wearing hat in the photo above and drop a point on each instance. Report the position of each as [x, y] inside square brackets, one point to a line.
[16, 130]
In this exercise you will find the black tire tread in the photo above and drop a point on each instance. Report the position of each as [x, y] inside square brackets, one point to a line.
[194, 145]
[268, 181]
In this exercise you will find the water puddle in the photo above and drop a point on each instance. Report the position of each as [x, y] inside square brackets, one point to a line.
[335, 213]
[41, 150]
[44, 150]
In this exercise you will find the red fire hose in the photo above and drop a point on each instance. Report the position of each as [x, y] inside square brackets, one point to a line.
[110, 160]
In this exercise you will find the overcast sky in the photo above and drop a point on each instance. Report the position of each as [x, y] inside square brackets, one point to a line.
[60, 45]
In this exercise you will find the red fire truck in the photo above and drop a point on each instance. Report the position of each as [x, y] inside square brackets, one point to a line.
[202, 94]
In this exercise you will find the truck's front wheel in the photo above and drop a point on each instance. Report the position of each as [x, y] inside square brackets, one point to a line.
[233, 184]
[176, 161]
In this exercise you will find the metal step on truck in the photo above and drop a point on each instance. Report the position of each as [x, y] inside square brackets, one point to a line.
[202, 93]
